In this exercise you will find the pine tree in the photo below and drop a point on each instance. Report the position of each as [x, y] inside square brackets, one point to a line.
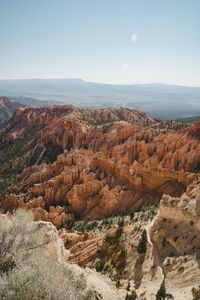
[161, 293]
[142, 246]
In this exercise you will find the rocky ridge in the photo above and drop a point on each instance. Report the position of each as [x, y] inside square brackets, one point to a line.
[7, 107]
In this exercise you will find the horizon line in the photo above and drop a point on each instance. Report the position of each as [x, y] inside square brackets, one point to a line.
[100, 82]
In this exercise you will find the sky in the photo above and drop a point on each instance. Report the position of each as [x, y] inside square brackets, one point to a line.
[110, 41]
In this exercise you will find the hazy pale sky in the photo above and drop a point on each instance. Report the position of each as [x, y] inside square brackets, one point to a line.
[112, 41]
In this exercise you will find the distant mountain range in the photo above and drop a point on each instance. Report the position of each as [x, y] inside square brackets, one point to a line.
[191, 120]
[32, 101]
[158, 100]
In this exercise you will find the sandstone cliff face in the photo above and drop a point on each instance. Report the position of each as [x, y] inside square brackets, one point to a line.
[178, 224]
[172, 247]
[175, 238]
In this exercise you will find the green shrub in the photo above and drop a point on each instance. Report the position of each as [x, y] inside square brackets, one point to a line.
[132, 214]
[164, 241]
[142, 245]
[175, 238]
[27, 272]
[118, 283]
[196, 293]
[16, 238]
[107, 237]
[181, 269]
[161, 293]
[131, 296]
[121, 222]
[6, 264]
[123, 252]
[39, 282]
[99, 266]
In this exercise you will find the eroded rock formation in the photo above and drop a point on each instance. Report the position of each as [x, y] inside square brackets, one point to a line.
[103, 169]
